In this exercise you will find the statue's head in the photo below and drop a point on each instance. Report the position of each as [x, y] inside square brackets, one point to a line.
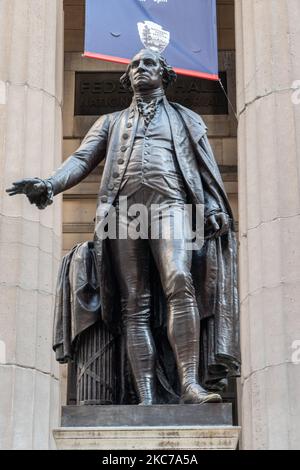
[147, 71]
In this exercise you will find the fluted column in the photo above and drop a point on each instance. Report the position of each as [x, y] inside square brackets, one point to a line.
[31, 59]
[268, 65]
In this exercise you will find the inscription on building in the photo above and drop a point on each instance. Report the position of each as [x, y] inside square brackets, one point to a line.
[99, 93]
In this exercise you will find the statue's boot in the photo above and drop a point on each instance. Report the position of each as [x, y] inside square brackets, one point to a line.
[146, 390]
[184, 336]
[195, 394]
[142, 356]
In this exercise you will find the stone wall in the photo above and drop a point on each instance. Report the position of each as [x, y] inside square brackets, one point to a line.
[31, 60]
[268, 64]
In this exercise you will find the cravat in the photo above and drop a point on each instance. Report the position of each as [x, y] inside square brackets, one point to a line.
[147, 110]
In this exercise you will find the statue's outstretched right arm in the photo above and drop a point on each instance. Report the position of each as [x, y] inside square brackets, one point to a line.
[90, 153]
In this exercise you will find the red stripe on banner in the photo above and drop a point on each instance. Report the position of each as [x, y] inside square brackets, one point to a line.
[194, 73]
[109, 58]
[121, 60]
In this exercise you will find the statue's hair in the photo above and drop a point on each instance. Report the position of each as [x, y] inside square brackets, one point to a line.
[168, 74]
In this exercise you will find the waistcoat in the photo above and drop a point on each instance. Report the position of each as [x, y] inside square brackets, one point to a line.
[153, 162]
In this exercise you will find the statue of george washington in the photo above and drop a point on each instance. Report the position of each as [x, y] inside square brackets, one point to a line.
[176, 307]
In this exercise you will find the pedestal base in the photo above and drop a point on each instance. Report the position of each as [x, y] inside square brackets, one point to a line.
[150, 438]
[159, 427]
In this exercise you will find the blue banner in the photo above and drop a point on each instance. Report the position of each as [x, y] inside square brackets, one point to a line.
[184, 31]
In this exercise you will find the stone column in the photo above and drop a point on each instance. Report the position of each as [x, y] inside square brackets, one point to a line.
[31, 64]
[268, 65]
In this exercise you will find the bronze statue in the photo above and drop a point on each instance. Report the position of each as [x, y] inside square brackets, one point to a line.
[157, 153]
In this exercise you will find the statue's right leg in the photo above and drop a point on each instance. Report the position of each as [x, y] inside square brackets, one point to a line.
[131, 265]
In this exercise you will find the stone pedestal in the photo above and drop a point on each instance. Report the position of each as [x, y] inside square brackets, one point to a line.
[150, 438]
[268, 73]
[31, 59]
[159, 427]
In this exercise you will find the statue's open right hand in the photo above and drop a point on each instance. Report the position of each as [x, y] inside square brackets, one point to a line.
[33, 188]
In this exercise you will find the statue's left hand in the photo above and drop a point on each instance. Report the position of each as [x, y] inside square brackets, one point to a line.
[218, 224]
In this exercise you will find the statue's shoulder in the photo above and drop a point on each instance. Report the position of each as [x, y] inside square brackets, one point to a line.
[188, 113]
[112, 117]
[117, 115]
[108, 120]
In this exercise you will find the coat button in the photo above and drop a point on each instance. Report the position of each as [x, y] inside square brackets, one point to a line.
[129, 124]
[104, 199]
[111, 187]
[121, 161]
[115, 174]
[125, 136]
[123, 148]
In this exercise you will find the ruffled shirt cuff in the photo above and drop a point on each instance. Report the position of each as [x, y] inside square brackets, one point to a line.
[45, 199]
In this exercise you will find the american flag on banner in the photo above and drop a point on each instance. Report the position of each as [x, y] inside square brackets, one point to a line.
[183, 31]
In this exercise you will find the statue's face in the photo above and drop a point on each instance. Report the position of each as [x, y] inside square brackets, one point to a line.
[145, 71]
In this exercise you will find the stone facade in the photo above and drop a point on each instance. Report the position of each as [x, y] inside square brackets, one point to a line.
[268, 63]
[262, 37]
[31, 58]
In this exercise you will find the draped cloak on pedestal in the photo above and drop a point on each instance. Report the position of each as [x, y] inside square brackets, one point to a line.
[213, 266]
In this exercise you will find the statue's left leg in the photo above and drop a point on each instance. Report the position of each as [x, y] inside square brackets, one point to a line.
[173, 261]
